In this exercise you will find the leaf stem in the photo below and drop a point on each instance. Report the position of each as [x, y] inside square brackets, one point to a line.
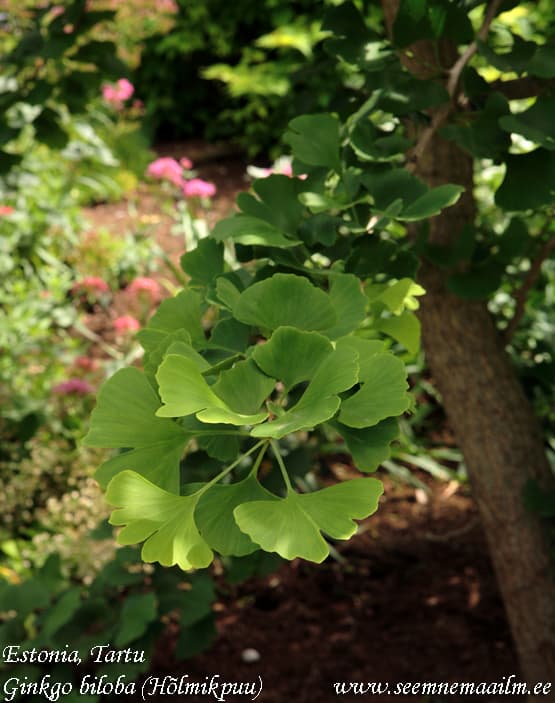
[275, 448]
[231, 466]
[259, 458]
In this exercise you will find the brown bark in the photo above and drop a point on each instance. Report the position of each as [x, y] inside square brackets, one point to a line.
[488, 410]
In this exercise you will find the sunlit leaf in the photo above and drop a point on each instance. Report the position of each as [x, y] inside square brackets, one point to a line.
[293, 526]
[163, 521]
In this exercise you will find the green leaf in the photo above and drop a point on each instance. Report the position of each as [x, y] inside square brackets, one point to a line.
[369, 447]
[383, 393]
[314, 140]
[168, 344]
[349, 303]
[214, 515]
[365, 348]
[529, 181]
[164, 521]
[386, 185]
[481, 136]
[292, 355]
[181, 312]
[137, 612]
[479, 282]
[125, 416]
[61, 612]
[337, 372]
[405, 328]
[279, 195]
[204, 263]
[432, 202]
[285, 300]
[231, 335]
[400, 296]
[293, 526]
[244, 387]
[184, 391]
[251, 230]
[159, 462]
[536, 123]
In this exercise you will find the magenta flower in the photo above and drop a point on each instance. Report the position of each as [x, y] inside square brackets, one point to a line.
[146, 284]
[125, 89]
[90, 284]
[186, 163]
[197, 188]
[73, 386]
[6, 210]
[168, 169]
[126, 323]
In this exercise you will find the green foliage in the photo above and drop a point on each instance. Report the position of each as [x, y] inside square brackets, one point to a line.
[46, 611]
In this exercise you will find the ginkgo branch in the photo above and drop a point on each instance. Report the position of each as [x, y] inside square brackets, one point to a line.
[455, 72]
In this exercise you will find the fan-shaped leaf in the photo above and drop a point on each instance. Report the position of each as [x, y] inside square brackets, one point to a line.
[285, 299]
[292, 526]
[383, 393]
[164, 521]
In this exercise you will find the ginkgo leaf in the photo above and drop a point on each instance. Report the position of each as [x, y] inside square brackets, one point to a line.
[181, 312]
[285, 300]
[369, 446]
[293, 526]
[349, 303]
[383, 393]
[245, 229]
[163, 521]
[244, 387]
[125, 417]
[214, 515]
[365, 348]
[292, 355]
[184, 391]
[337, 373]
[402, 294]
[159, 462]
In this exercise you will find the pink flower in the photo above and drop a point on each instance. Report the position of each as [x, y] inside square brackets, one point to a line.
[197, 188]
[90, 284]
[125, 89]
[143, 283]
[86, 363]
[126, 323]
[73, 386]
[57, 10]
[186, 163]
[117, 94]
[168, 169]
[6, 210]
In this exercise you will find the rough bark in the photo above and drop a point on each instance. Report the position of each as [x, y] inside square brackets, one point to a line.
[490, 415]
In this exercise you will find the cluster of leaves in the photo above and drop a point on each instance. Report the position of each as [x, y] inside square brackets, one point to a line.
[129, 609]
[299, 339]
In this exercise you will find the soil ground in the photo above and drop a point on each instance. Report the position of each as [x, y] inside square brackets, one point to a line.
[413, 598]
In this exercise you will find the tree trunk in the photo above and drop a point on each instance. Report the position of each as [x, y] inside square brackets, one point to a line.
[495, 427]
[490, 415]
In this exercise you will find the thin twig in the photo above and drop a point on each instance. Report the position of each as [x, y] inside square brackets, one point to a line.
[441, 115]
[522, 293]
[471, 49]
